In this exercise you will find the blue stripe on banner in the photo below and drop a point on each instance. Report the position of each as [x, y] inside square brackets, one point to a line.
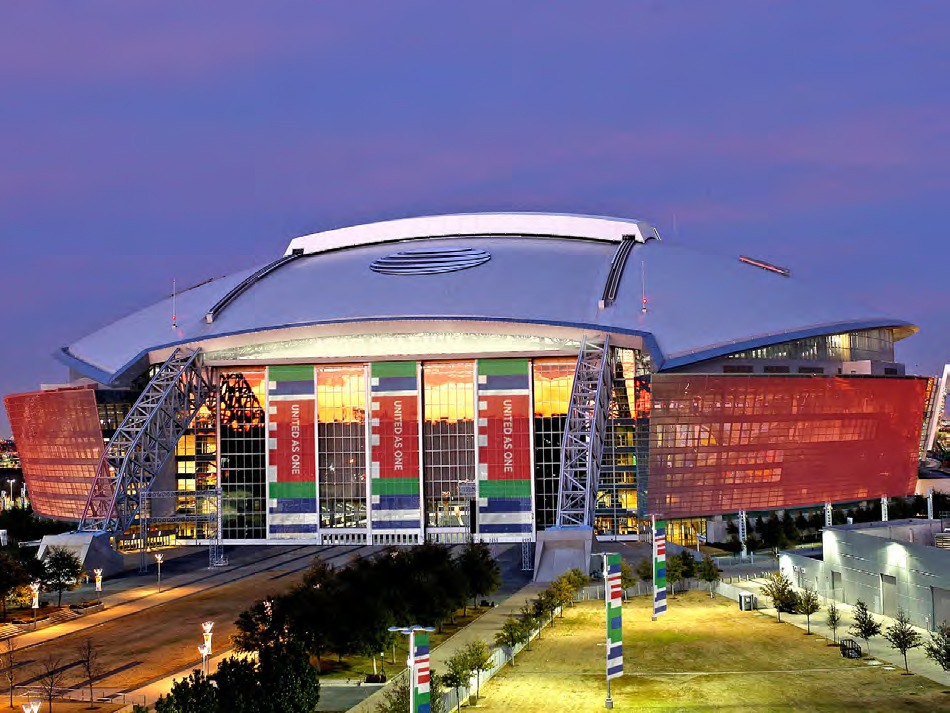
[292, 529]
[292, 388]
[297, 505]
[424, 708]
[501, 528]
[505, 382]
[613, 569]
[394, 383]
[496, 505]
[661, 570]
[659, 608]
[395, 524]
[397, 502]
[660, 595]
[615, 622]
[614, 671]
[615, 651]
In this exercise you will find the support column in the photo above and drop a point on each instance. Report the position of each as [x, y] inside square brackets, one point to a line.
[743, 534]
[884, 509]
[827, 514]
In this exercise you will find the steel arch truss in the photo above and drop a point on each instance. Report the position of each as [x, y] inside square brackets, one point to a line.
[584, 431]
[144, 443]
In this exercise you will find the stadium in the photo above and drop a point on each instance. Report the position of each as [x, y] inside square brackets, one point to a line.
[492, 375]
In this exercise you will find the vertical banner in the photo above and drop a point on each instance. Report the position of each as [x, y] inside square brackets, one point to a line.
[613, 593]
[659, 568]
[420, 668]
[394, 446]
[291, 453]
[504, 447]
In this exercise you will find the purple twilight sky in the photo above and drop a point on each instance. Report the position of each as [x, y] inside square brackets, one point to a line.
[145, 142]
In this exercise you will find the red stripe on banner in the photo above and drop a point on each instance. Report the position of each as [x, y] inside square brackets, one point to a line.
[398, 450]
[295, 454]
[422, 678]
[507, 452]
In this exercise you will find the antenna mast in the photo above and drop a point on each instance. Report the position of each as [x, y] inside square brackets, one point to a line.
[174, 304]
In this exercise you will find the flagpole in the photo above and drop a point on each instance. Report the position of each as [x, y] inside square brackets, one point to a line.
[609, 703]
[653, 546]
[412, 670]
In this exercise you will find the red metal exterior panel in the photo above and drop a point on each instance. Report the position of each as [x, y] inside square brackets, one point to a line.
[59, 439]
[720, 444]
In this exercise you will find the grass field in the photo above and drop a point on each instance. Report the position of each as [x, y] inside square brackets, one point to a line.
[704, 655]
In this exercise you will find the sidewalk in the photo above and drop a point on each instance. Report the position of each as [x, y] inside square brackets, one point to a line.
[881, 650]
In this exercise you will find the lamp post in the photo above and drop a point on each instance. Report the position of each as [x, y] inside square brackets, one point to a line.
[35, 587]
[417, 662]
[158, 558]
[205, 648]
[98, 573]
[10, 482]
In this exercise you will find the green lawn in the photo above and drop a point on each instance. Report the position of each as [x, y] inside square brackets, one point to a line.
[704, 655]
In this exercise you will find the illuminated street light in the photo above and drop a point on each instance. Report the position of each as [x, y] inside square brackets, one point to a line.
[418, 661]
[205, 648]
[10, 482]
[158, 558]
[98, 573]
[35, 587]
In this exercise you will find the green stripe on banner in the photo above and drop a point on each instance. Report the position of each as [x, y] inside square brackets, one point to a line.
[383, 369]
[615, 635]
[300, 372]
[292, 491]
[395, 486]
[504, 488]
[613, 560]
[502, 367]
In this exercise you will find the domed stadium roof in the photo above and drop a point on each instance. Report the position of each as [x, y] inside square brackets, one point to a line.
[543, 271]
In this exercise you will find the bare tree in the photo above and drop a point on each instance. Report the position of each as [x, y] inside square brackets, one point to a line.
[88, 655]
[9, 666]
[51, 678]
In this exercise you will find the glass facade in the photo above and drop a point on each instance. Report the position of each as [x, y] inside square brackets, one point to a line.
[721, 444]
[341, 446]
[59, 438]
[243, 458]
[869, 344]
[448, 442]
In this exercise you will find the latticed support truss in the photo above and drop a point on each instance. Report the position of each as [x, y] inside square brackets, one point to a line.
[144, 443]
[584, 433]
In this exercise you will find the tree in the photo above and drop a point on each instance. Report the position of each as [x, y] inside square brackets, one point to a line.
[531, 617]
[480, 571]
[808, 603]
[627, 578]
[512, 633]
[479, 658]
[238, 686]
[902, 636]
[864, 626]
[778, 588]
[833, 620]
[689, 564]
[674, 572]
[51, 678]
[709, 572]
[938, 648]
[9, 666]
[458, 675]
[12, 576]
[561, 593]
[644, 570]
[88, 656]
[61, 571]
[194, 694]
[288, 681]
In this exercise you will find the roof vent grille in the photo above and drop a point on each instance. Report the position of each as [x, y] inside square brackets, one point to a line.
[429, 261]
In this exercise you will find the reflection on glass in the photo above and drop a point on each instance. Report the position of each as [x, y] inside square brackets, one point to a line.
[341, 446]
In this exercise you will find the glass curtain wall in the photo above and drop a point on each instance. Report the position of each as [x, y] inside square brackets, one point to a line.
[448, 441]
[243, 443]
[341, 446]
[553, 379]
[195, 460]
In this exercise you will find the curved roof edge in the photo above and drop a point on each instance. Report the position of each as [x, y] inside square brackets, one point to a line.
[103, 377]
[551, 225]
[685, 358]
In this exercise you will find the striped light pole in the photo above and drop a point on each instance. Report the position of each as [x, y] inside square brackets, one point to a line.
[418, 663]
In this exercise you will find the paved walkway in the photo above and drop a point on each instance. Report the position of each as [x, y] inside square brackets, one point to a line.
[880, 648]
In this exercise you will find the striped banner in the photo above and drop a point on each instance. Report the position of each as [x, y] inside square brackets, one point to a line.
[420, 667]
[614, 596]
[659, 568]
